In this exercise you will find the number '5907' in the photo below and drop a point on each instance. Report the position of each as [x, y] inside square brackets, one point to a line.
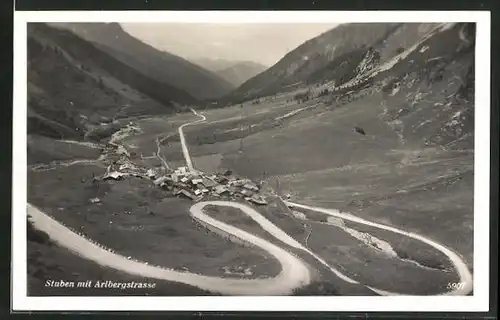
[455, 285]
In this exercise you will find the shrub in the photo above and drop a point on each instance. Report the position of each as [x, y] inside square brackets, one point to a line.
[323, 93]
[302, 96]
[430, 262]
[37, 235]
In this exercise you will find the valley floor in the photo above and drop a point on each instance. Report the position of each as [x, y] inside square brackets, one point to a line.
[308, 151]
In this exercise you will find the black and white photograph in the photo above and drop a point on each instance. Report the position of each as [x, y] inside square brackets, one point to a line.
[267, 158]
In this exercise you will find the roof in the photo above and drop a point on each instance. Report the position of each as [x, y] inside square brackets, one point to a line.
[246, 192]
[250, 186]
[223, 180]
[208, 182]
[237, 182]
[220, 189]
[160, 180]
[114, 175]
[126, 166]
[187, 194]
[258, 199]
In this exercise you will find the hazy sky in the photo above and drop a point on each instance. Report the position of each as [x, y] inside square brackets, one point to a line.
[263, 43]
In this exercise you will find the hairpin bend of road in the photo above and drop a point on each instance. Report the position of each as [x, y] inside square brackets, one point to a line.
[294, 272]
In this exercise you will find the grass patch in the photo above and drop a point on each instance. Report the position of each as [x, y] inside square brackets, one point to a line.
[43, 150]
[135, 218]
[48, 261]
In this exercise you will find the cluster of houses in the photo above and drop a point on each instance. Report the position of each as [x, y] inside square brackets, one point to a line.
[193, 185]
[123, 168]
[198, 185]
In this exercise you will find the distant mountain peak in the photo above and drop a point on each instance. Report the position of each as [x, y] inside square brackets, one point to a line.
[238, 72]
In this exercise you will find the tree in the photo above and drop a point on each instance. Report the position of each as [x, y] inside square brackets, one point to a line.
[359, 130]
[324, 92]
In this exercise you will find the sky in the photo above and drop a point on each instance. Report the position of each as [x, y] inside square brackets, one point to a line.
[258, 42]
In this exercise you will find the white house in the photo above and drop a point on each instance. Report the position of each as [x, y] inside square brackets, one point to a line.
[151, 173]
[251, 187]
[196, 181]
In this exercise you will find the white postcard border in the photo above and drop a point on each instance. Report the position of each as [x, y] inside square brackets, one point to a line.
[478, 302]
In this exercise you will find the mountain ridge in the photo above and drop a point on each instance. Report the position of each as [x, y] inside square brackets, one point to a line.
[160, 65]
[90, 86]
[316, 53]
[241, 72]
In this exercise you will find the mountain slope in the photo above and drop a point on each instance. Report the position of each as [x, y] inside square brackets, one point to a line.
[422, 90]
[425, 92]
[162, 66]
[429, 88]
[316, 54]
[241, 72]
[73, 86]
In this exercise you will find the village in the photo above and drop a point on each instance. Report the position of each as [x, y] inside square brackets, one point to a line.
[194, 185]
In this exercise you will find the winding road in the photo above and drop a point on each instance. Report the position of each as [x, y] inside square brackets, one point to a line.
[459, 265]
[158, 154]
[185, 149]
[294, 272]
